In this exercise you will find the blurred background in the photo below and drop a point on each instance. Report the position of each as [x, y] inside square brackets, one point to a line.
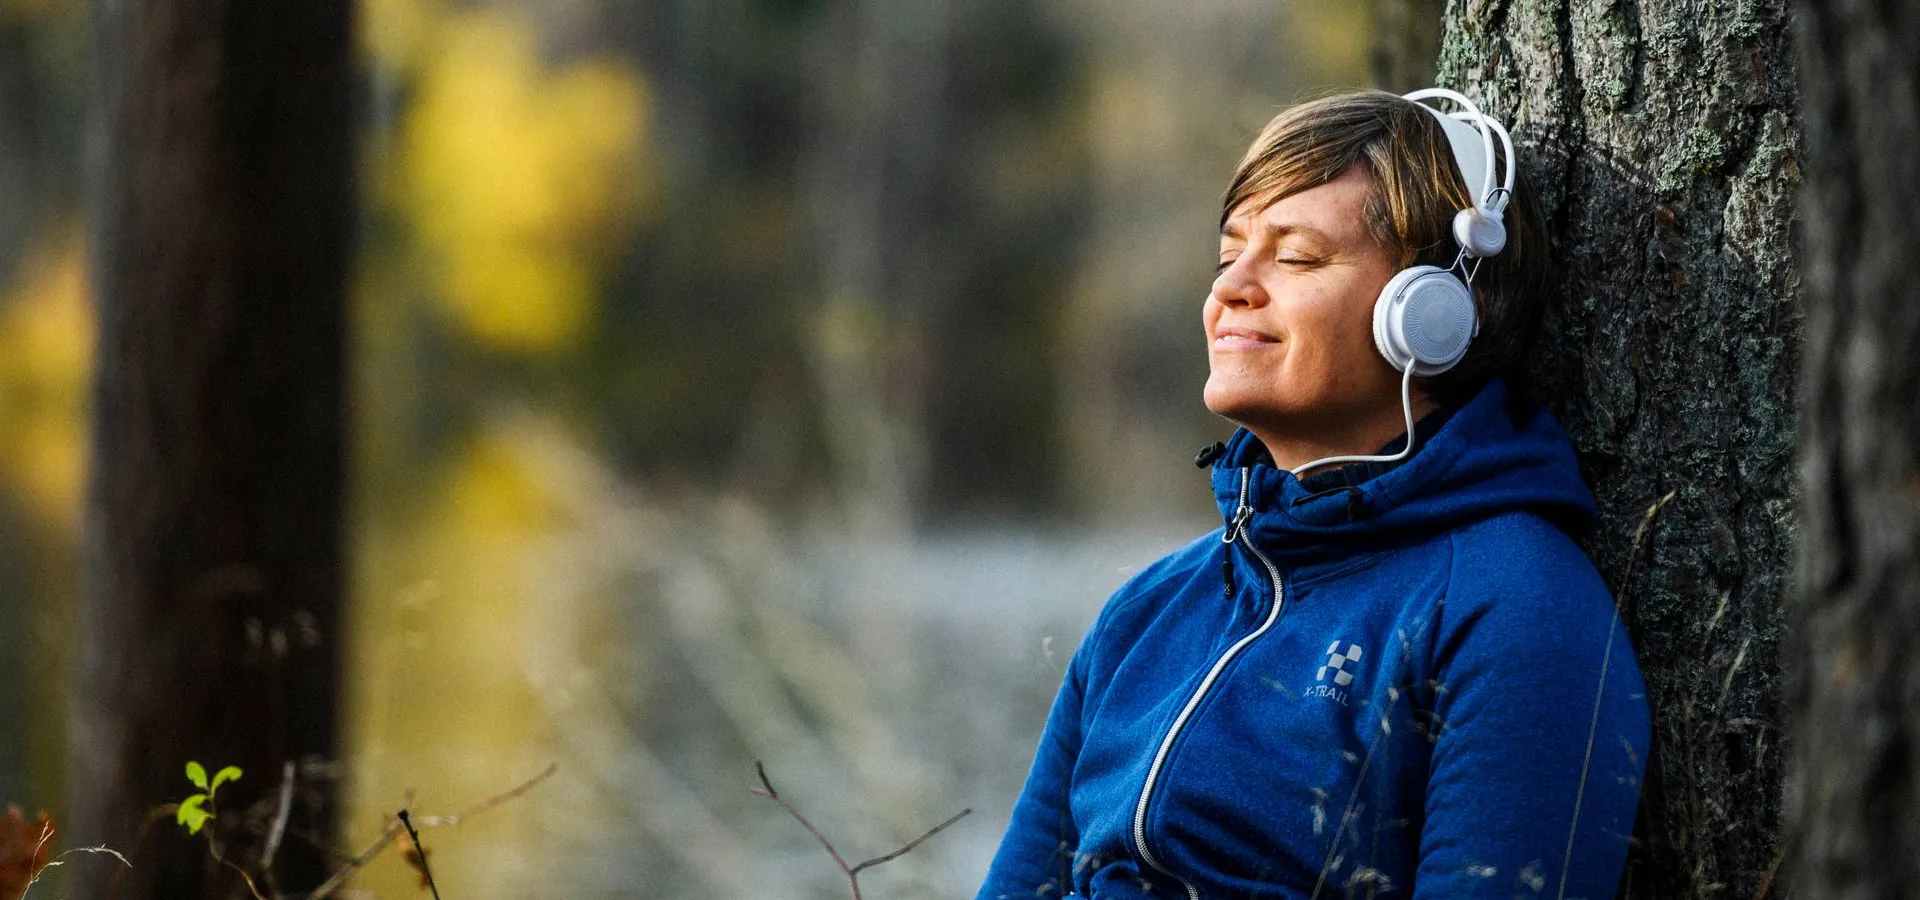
[733, 380]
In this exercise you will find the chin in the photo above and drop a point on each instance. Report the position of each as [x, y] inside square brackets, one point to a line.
[1242, 406]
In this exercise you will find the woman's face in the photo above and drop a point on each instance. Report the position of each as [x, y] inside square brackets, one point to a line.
[1289, 320]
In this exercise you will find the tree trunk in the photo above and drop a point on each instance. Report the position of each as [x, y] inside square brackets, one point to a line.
[212, 560]
[1662, 136]
[1855, 816]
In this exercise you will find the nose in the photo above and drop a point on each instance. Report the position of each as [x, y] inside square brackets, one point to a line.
[1239, 284]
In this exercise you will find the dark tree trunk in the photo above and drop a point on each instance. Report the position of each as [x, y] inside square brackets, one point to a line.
[1662, 136]
[212, 559]
[1855, 777]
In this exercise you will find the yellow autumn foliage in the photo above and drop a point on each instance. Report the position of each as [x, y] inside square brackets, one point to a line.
[518, 181]
[440, 701]
[46, 354]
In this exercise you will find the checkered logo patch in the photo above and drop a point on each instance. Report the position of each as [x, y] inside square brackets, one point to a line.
[1337, 660]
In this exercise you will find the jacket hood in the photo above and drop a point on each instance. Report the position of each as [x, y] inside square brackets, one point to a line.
[1499, 453]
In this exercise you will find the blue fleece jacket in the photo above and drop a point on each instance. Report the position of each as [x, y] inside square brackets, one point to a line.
[1414, 686]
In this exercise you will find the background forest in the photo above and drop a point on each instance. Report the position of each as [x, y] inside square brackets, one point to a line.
[753, 379]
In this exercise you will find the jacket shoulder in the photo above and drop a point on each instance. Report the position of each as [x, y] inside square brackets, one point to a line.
[1522, 556]
[1523, 595]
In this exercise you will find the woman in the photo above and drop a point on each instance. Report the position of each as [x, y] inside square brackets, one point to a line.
[1392, 674]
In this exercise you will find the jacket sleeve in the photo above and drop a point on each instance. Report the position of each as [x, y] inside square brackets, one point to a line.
[1036, 856]
[1540, 734]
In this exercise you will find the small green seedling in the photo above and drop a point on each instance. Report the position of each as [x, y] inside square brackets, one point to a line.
[194, 810]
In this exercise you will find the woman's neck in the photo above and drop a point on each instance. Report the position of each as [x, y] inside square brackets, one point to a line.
[1295, 443]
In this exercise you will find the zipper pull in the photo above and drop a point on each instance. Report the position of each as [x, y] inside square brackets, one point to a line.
[1236, 528]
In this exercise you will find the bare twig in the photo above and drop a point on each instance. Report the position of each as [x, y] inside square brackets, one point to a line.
[1766, 879]
[420, 849]
[915, 842]
[774, 795]
[46, 834]
[1633, 552]
[58, 860]
[340, 875]
[282, 809]
[393, 829]
[487, 804]
[852, 872]
[243, 872]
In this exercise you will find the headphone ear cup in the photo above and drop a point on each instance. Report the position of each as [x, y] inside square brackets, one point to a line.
[1481, 235]
[1424, 319]
[1385, 313]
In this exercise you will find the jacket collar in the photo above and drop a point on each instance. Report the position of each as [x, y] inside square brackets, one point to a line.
[1497, 453]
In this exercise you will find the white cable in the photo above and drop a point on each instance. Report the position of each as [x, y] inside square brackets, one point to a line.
[1406, 404]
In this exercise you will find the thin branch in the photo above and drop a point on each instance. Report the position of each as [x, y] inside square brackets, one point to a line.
[243, 873]
[916, 841]
[487, 804]
[421, 850]
[340, 875]
[278, 831]
[393, 829]
[59, 860]
[852, 872]
[33, 874]
[774, 795]
[1766, 879]
[1633, 552]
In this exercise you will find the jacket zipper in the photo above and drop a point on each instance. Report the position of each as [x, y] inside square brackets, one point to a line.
[1237, 529]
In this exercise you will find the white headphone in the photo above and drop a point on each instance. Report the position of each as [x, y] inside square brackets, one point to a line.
[1424, 318]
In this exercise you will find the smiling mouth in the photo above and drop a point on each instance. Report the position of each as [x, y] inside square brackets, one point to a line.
[1242, 340]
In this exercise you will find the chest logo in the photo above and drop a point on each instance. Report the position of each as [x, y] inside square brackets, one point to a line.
[1337, 660]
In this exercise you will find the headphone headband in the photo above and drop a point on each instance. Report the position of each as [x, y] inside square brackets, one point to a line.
[1465, 128]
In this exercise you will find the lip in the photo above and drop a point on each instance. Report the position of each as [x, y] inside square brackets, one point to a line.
[1242, 339]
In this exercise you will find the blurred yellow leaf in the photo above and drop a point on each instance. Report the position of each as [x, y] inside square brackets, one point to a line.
[492, 494]
[518, 182]
[46, 353]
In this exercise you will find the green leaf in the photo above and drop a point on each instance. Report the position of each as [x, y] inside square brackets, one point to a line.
[197, 774]
[230, 773]
[191, 814]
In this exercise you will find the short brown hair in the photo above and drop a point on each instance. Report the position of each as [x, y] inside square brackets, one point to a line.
[1417, 189]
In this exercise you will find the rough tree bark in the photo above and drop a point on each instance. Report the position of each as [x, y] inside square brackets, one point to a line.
[1854, 813]
[1662, 136]
[212, 571]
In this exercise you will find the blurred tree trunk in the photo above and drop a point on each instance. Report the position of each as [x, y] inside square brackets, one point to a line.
[212, 565]
[1662, 136]
[1406, 40]
[1855, 816]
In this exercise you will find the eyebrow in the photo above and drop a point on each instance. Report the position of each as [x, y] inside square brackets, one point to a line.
[1281, 229]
